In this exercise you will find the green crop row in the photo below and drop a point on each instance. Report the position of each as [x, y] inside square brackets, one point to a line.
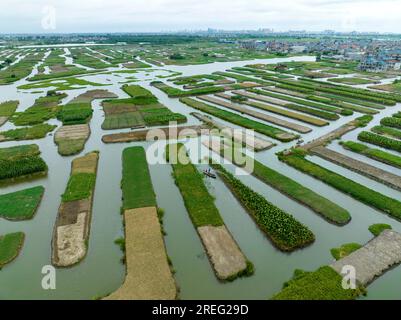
[136, 182]
[380, 141]
[359, 192]
[239, 120]
[283, 229]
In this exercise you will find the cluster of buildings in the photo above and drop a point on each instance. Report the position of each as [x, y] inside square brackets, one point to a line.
[381, 60]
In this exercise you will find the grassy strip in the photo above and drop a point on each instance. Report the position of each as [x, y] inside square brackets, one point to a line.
[391, 122]
[322, 284]
[388, 131]
[357, 191]
[380, 141]
[198, 201]
[177, 93]
[283, 229]
[11, 169]
[21, 205]
[136, 183]
[44, 108]
[10, 247]
[8, 108]
[301, 108]
[14, 153]
[324, 207]
[344, 250]
[28, 133]
[80, 186]
[238, 120]
[388, 97]
[296, 100]
[241, 78]
[354, 101]
[351, 81]
[375, 154]
[377, 229]
[69, 147]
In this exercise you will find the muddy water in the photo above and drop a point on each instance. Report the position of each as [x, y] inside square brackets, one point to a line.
[101, 272]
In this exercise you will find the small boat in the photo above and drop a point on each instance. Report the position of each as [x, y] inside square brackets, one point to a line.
[209, 174]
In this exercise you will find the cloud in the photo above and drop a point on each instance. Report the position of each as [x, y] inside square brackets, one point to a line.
[161, 15]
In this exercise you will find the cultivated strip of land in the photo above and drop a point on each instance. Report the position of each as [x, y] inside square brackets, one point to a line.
[251, 141]
[259, 127]
[322, 206]
[224, 253]
[256, 114]
[382, 176]
[159, 133]
[71, 232]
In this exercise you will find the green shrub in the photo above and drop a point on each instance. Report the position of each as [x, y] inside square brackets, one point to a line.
[25, 166]
[380, 141]
[377, 229]
[344, 250]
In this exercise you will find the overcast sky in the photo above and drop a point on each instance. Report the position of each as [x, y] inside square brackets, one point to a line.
[21, 16]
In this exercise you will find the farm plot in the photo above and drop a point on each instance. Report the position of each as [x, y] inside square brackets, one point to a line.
[71, 232]
[178, 93]
[375, 154]
[21, 205]
[259, 127]
[251, 142]
[76, 115]
[282, 112]
[224, 253]
[285, 232]
[27, 133]
[388, 205]
[291, 106]
[18, 163]
[44, 108]
[10, 247]
[382, 176]
[172, 133]
[7, 109]
[322, 206]
[255, 114]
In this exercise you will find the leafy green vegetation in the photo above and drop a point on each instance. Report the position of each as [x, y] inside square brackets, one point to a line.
[322, 284]
[28, 133]
[351, 81]
[283, 229]
[69, 147]
[375, 154]
[44, 108]
[136, 182]
[8, 108]
[64, 84]
[198, 201]
[75, 113]
[391, 122]
[21, 69]
[324, 207]
[262, 128]
[21, 205]
[357, 191]
[296, 100]
[380, 141]
[177, 93]
[10, 247]
[14, 153]
[21, 167]
[344, 250]
[377, 229]
[80, 186]
[387, 131]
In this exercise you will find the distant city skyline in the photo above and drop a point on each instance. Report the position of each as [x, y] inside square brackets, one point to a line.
[62, 16]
